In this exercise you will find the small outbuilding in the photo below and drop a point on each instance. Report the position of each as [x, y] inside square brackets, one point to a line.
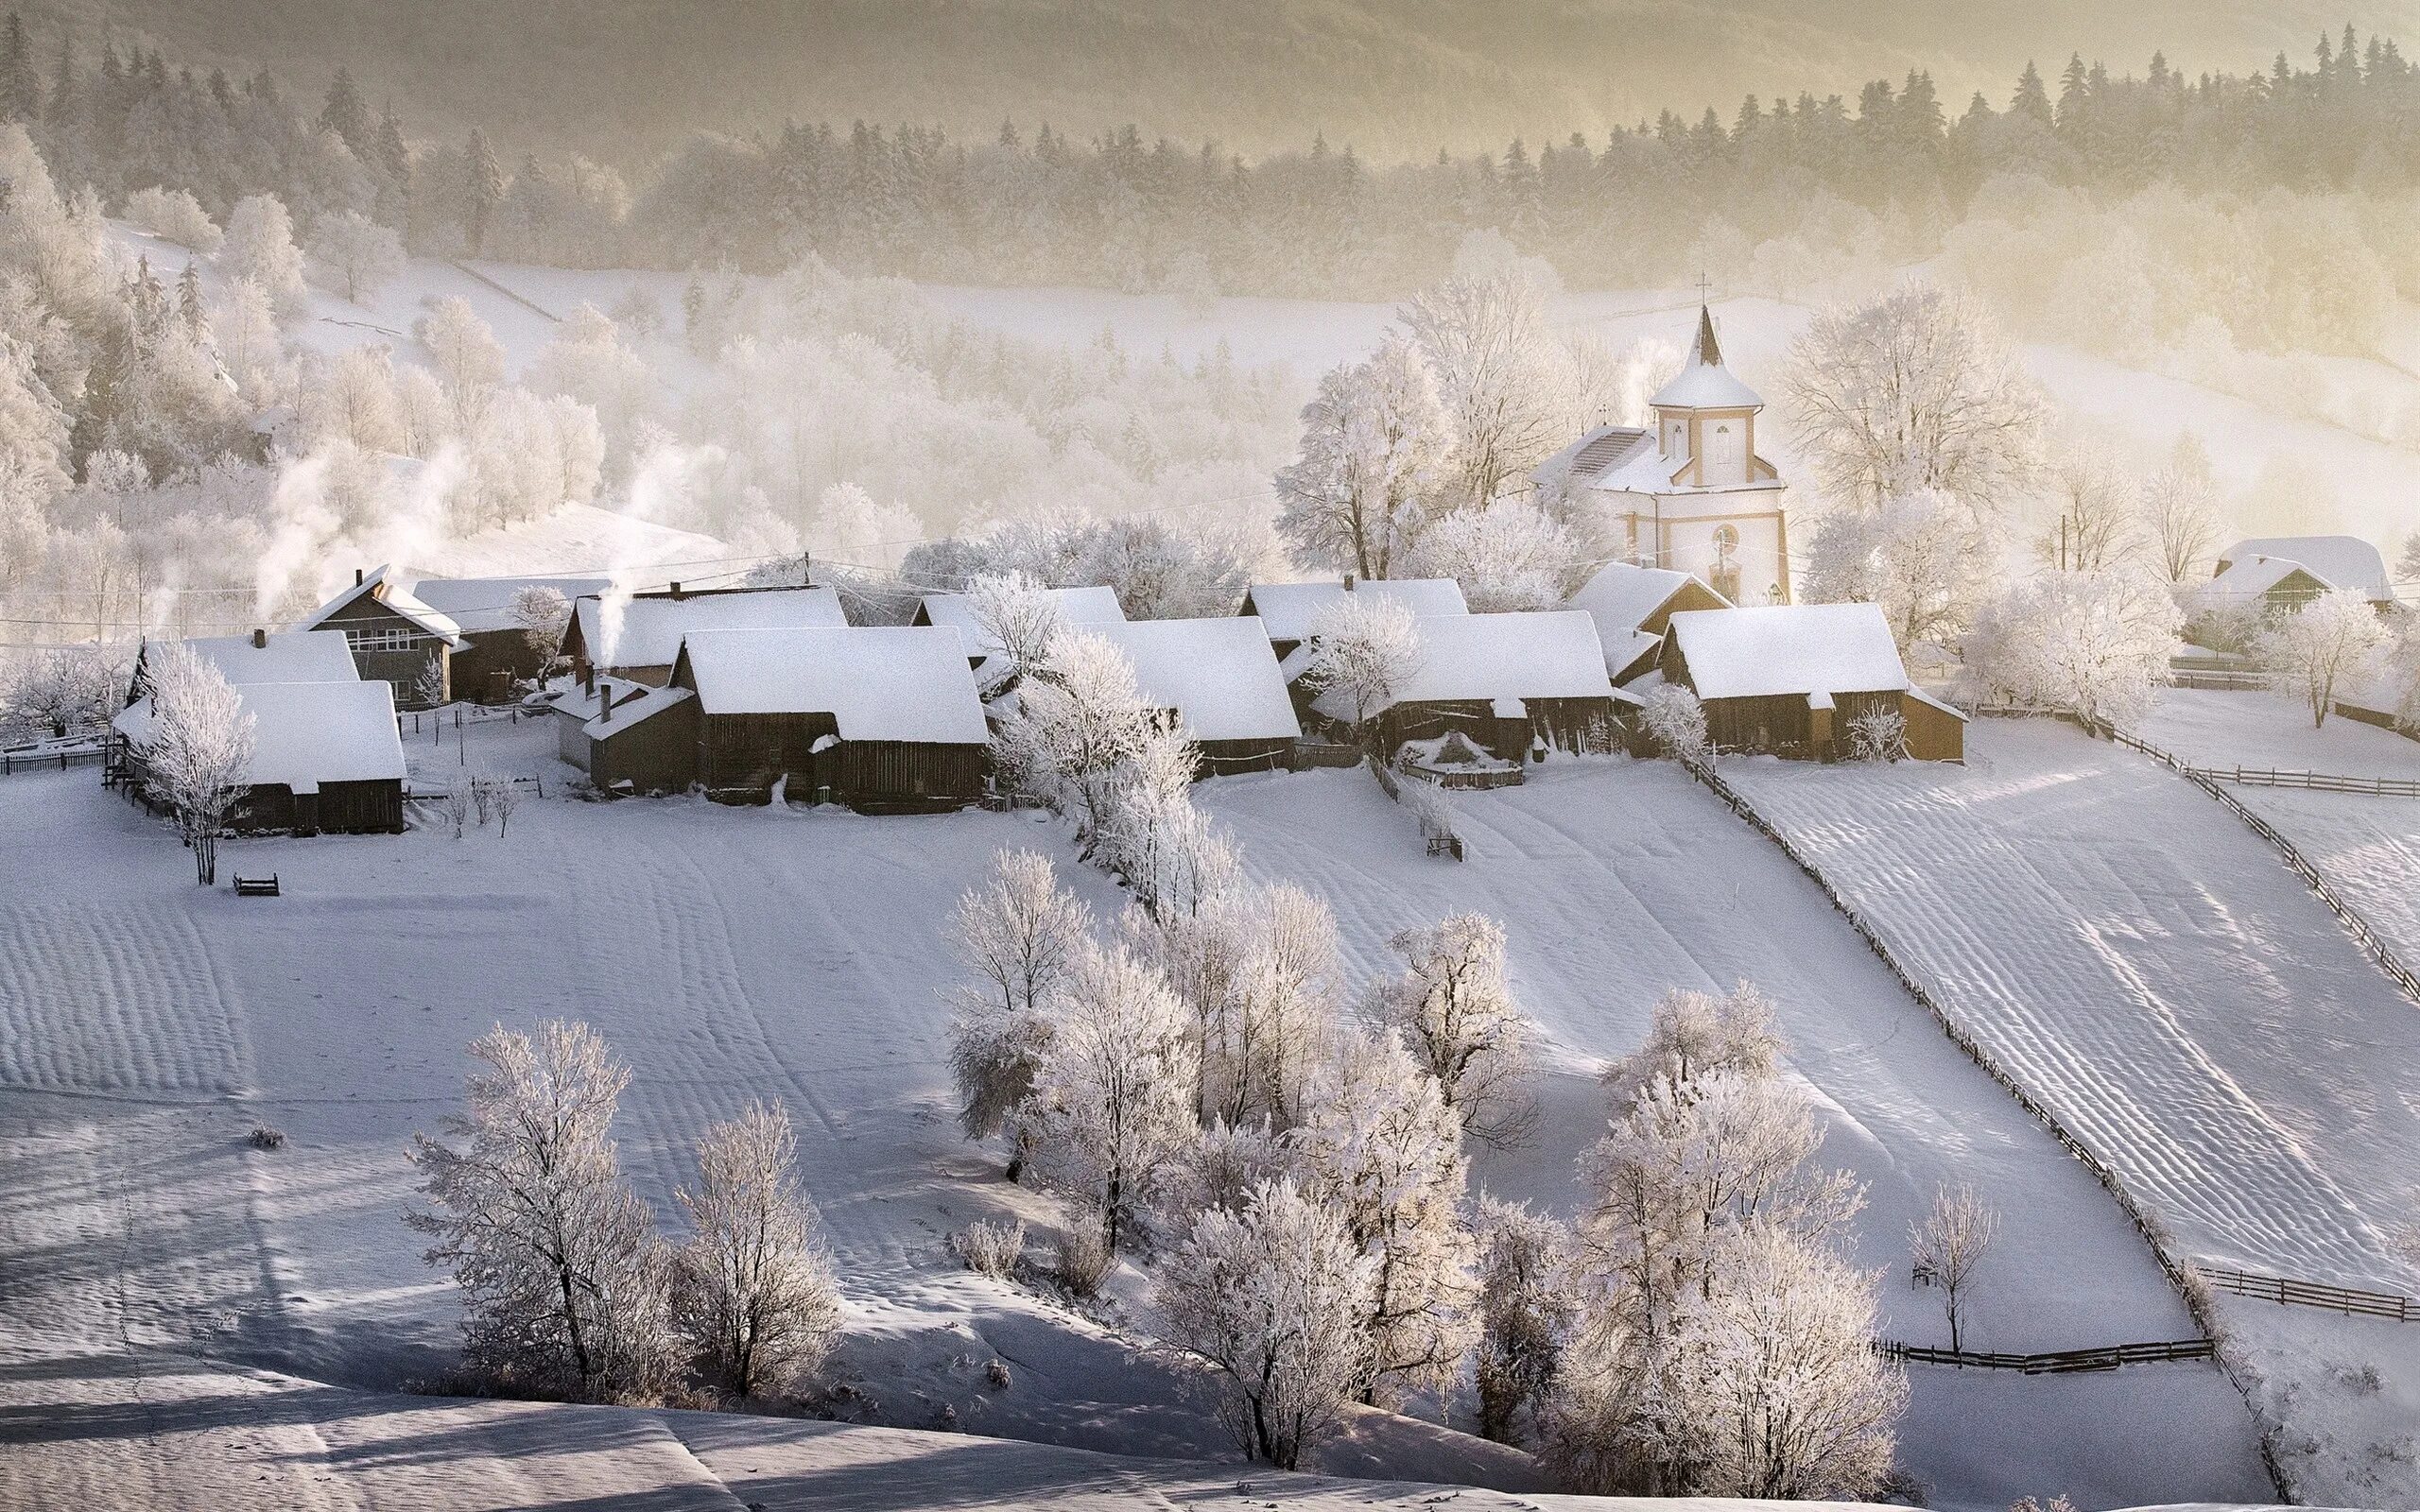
[1504, 680]
[639, 638]
[884, 718]
[326, 757]
[1287, 609]
[395, 638]
[627, 737]
[1632, 606]
[1791, 679]
[1218, 679]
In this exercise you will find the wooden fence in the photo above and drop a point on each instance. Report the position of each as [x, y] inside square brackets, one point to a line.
[2367, 939]
[2346, 1300]
[2313, 781]
[2187, 1283]
[49, 761]
[2055, 1362]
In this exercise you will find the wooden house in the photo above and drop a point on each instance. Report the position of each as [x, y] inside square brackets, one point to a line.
[1084, 608]
[639, 638]
[263, 656]
[325, 757]
[2278, 575]
[1632, 606]
[1287, 609]
[884, 718]
[1504, 680]
[1218, 681]
[498, 651]
[395, 638]
[627, 737]
[1790, 679]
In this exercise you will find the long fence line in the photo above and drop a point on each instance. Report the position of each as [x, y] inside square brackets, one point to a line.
[2187, 1281]
[2055, 1362]
[2367, 939]
[2346, 1300]
[2313, 781]
[49, 761]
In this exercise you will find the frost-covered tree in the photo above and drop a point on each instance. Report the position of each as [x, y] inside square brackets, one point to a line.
[1878, 733]
[1382, 1150]
[352, 399]
[1376, 447]
[2407, 567]
[1165, 848]
[1949, 1247]
[587, 361]
[1508, 555]
[1913, 391]
[1775, 1389]
[1363, 648]
[2098, 524]
[544, 615]
[1504, 380]
[1693, 1034]
[356, 256]
[1258, 967]
[2330, 643]
[175, 215]
[259, 247]
[2180, 511]
[244, 330]
[1675, 720]
[62, 690]
[1525, 1312]
[1017, 936]
[468, 359]
[196, 747]
[2097, 644]
[1274, 1297]
[1080, 720]
[1112, 1111]
[563, 1275]
[1161, 572]
[754, 1296]
[1015, 611]
[1924, 557]
[1453, 1009]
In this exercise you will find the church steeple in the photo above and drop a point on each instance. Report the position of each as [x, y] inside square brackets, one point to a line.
[1708, 351]
[1703, 382]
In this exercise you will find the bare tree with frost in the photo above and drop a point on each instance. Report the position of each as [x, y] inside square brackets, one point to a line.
[63, 689]
[1274, 1297]
[1503, 379]
[1526, 1311]
[1364, 649]
[1947, 1248]
[196, 749]
[562, 1273]
[1080, 721]
[2180, 511]
[1014, 610]
[1454, 1011]
[1925, 557]
[1675, 720]
[1506, 554]
[1017, 936]
[2097, 644]
[354, 256]
[544, 615]
[2329, 644]
[1376, 445]
[754, 1295]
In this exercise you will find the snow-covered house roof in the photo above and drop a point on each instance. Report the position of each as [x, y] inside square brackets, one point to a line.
[1705, 383]
[2249, 579]
[1078, 605]
[652, 627]
[1778, 650]
[307, 734]
[1622, 596]
[631, 703]
[284, 656]
[1287, 609]
[392, 589]
[480, 604]
[904, 682]
[1219, 675]
[2340, 562]
[1500, 659]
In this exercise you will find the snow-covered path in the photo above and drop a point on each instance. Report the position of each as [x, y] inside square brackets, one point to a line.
[1618, 880]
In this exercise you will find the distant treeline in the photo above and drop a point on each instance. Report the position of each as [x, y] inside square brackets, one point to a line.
[1655, 201]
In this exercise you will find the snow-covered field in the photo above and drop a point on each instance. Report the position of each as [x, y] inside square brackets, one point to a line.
[2146, 966]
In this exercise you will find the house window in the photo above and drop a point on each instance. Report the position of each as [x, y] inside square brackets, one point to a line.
[387, 640]
[1728, 452]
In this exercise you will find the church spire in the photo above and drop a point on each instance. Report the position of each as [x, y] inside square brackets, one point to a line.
[1708, 351]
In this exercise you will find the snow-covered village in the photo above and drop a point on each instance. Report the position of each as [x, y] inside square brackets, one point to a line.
[1301, 755]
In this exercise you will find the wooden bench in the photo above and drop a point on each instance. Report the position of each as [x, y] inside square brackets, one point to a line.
[1446, 844]
[256, 887]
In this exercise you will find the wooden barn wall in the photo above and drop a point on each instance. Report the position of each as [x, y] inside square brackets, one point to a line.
[1777, 723]
[658, 754]
[746, 754]
[1568, 723]
[1933, 734]
[487, 667]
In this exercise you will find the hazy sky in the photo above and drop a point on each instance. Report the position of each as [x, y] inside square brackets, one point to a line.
[624, 78]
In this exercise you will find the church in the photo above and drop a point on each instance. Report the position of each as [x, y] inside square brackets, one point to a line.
[1690, 494]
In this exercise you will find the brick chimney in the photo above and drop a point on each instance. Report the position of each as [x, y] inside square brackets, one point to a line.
[676, 589]
[357, 578]
[1348, 582]
[260, 639]
[604, 702]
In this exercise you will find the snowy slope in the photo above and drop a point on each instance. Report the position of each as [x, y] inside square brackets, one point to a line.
[1620, 879]
[2155, 976]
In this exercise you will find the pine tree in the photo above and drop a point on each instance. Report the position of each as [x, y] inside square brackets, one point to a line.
[189, 305]
[483, 188]
[20, 88]
[346, 115]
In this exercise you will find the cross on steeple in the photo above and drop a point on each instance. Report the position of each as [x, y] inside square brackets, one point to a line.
[1702, 286]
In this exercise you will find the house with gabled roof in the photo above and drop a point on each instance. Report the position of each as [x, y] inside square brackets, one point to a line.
[1688, 493]
[499, 648]
[263, 656]
[326, 756]
[1632, 606]
[2281, 574]
[1218, 681]
[1287, 609]
[884, 718]
[1504, 680]
[395, 638]
[1080, 607]
[638, 638]
[1791, 679]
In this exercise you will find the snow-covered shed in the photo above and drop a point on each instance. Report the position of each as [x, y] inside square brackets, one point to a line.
[1219, 679]
[639, 638]
[1504, 680]
[1287, 609]
[627, 737]
[1080, 607]
[325, 757]
[498, 649]
[1790, 679]
[1632, 606]
[2280, 574]
[263, 656]
[394, 636]
[879, 717]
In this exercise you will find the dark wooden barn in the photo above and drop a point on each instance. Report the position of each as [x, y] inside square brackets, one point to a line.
[1218, 681]
[325, 758]
[1791, 679]
[1506, 681]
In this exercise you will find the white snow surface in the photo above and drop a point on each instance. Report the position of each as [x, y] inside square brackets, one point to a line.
[879, 683]
[652, 629]
[1219, 675]
[1774, 649]
[1287, 608]
[308, 734]
[287, 656]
